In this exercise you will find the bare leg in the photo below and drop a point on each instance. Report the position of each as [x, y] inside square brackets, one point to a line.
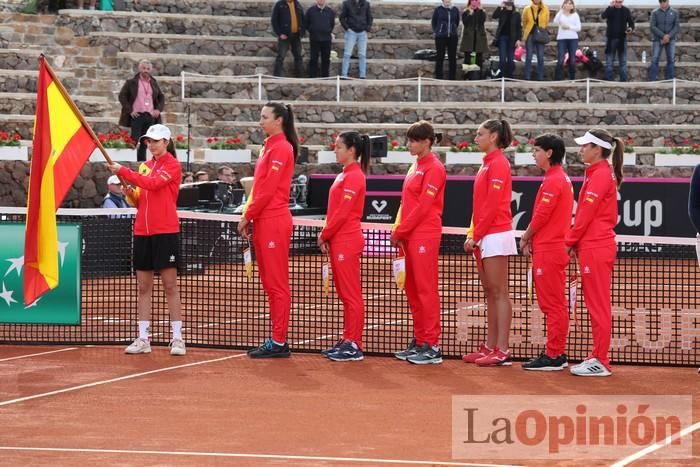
[172, 293]
[500, 309]
[144, 279]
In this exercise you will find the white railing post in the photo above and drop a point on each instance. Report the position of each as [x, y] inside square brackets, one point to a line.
[420, 90]
[337, 88]
[588, 90]
[259, 87]
[503, 89]
[182, 85]
[674, 91]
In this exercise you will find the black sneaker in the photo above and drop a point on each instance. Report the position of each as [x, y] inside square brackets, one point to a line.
[410, 350]
[426, 355]
[346, 352]
[332, 349]
[546, 363]
[270, 350]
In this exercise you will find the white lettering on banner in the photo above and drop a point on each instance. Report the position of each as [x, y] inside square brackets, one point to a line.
[650, 215]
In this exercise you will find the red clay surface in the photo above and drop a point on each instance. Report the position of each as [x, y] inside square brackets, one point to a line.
[377, 409]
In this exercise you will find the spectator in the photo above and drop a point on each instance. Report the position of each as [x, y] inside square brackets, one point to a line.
[201, 176]
[567, 38]
[81, 4]
[356, 19]
[288, 25]
[142, 103]
[508, 34]
[445, 23]
[227, 175]
[319, 21]
[664, 29]
[619, 25]
[188, 177]
[115, 195]
[535, 14]
[474, 42]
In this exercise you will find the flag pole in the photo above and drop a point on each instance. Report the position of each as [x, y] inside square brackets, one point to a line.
[74, 108]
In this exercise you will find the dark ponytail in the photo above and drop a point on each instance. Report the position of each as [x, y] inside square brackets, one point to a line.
[502, 129]
[287, 115]
[361, 143]
[617, 151]
[171, 148]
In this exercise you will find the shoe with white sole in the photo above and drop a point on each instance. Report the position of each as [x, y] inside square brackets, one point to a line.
[177, 347]
[590, 367]
[139, 346]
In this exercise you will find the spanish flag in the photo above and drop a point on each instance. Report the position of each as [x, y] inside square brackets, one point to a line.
[62, 144]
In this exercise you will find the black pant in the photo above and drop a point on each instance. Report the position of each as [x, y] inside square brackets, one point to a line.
[324, 49]
[293, 40]
[139, 126]
[449, 43]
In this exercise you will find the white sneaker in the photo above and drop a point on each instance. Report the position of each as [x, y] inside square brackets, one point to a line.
[177, 347]
[590, 367]
[139, 346]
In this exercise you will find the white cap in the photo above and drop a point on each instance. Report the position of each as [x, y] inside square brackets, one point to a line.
[591, 138]
[113, 180]
[156, 132]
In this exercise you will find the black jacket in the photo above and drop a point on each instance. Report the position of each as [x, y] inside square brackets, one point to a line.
[319, 23]
[356, 15]
[515, 31]
[445, 21]
[127, 96]
[618, 20]
[282, 18]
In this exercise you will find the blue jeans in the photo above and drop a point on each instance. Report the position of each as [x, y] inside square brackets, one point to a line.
[564, 46]
[351, 38]
[613, 48]
[505, 56]
[656, 48]
[530, 47]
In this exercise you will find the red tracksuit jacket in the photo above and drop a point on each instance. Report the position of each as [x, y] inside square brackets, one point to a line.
[596, 213]
[492, 195]
[422, 200]
[346, 202]
[552, 212]
[272, 180]
[157, 201]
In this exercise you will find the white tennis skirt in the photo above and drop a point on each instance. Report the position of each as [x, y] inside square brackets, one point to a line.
[498, 244]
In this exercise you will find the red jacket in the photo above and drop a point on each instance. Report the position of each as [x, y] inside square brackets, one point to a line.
[551, 216]
[422, 200]
[346, 202]
[596, 213]
[492, 196]
[159, 183]
[272, 180]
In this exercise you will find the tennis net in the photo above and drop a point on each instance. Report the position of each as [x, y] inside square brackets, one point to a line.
[654, 294]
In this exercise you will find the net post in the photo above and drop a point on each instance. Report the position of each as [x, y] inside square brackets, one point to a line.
[419, 89]
[674, 91]
[182, 84]
[259, 87]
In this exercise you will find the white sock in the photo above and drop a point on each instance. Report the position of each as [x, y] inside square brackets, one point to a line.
[278, 343]
[177, 329]
[143, 329]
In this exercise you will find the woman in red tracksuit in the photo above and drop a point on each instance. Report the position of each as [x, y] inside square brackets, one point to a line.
[268, 209]
[417, 232]
[156, 233]
[342, 239]
[491, 239]
[544, 240]
[592, 239]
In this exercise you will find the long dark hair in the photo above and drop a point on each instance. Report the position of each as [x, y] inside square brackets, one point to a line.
[502, 128]
[617, 151]
[284, 111]
[353, 139]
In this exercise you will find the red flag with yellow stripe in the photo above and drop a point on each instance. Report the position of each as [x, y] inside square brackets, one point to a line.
[62, 144]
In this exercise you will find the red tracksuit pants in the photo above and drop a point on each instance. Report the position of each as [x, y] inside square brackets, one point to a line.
[596, 268]
[271, 238]
[421, 288]
[549, 274]
[345, 260]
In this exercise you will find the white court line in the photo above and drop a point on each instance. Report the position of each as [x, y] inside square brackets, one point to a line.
[253, 456]
[656, 446]
[120, 378]
[37, 354]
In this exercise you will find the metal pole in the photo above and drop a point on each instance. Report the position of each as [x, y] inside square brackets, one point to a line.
[337, 88]
[674, 91]
[260, 87]
[419, 89]
[588, 90]
[182, 85]
[189, 137]
[503, 89]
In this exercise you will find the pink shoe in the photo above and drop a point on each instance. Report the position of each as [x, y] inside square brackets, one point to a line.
[474, 356]
[496, 358]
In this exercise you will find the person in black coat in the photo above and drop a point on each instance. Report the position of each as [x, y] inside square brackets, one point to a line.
[288, 25]
[445, 23]
[356, 19]
[319, 22]
[619, 25]
[508, 35]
